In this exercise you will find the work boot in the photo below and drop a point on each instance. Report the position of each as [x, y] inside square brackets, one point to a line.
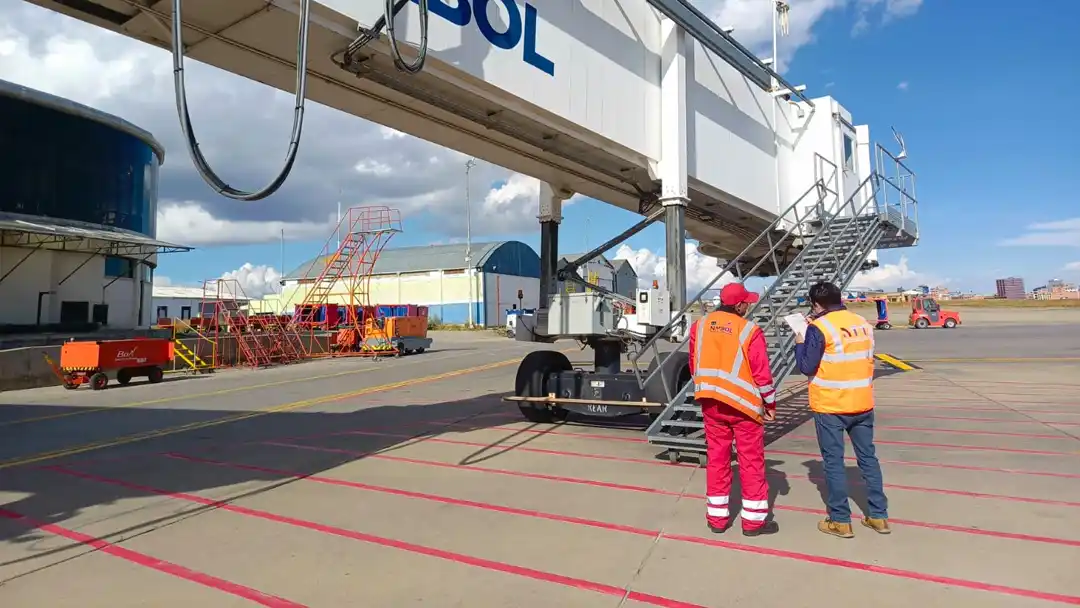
[719, 529]
[833, 528]
[879, 525]
[770, 527]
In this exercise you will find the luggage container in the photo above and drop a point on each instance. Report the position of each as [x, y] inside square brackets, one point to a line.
[88, 362]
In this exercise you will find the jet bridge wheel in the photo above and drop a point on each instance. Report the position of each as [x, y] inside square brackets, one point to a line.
[532, 378]
[675, 374]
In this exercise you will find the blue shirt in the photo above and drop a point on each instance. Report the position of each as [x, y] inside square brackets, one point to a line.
[808, 354]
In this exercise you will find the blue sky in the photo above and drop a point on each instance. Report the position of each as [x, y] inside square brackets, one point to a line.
[984, 100]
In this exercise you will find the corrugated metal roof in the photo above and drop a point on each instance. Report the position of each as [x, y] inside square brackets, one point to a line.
[619, 263]
[412, 259]
[600, 259]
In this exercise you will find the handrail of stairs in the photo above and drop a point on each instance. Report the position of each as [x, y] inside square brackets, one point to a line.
[792, 223]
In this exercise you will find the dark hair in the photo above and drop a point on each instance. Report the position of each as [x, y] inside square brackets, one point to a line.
[826, 294]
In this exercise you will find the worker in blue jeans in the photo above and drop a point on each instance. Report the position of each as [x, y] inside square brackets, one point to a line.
[837, 354]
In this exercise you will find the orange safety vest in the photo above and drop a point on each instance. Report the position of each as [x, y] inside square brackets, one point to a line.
[720, 357]
[844, 383]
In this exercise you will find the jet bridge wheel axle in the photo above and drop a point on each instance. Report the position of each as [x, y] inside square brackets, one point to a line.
[533, 374]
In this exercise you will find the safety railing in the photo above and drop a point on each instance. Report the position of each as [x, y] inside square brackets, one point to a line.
[898, 201]
[790, 227]
[819, 221]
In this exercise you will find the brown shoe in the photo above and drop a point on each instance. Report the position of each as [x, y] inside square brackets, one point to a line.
[835, 529]
[881, 526]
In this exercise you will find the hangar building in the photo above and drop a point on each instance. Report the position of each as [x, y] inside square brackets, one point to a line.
[78, 210]
[436, 276]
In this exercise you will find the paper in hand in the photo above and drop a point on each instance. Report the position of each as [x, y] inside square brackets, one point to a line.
[797, 323]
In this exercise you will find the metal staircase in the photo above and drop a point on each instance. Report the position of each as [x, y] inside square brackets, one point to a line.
[818, 238]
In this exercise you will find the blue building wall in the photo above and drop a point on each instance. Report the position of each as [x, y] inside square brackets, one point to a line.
[458, 314]
[57, 164]
[513, 258]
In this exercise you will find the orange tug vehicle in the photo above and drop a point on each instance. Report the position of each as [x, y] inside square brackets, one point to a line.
[926, 312]
[89, 362]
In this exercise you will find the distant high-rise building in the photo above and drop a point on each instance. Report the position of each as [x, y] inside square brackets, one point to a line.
[1011, 288]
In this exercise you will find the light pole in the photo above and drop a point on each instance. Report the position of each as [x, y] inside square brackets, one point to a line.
[469, 164]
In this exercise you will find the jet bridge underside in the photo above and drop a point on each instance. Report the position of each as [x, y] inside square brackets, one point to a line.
[257, 39]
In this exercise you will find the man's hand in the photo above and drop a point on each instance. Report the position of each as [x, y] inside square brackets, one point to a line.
[799, 338]
[770, 414]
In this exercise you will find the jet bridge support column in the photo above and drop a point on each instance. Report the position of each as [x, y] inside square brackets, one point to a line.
[673, 156]
[551, 200]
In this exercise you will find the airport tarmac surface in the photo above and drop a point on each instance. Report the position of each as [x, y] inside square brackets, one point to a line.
[399, 482]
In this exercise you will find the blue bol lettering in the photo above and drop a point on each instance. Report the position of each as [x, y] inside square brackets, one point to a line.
[519, 31]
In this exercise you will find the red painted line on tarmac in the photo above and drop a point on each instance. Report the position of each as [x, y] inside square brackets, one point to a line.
[951, 446]
[1004, 497]
[974, 432]
[803, 557]
[974, 409]
[153, 563]
[852, 565]
[974, 419]
[460, 558]
[770, 450]
[937, 465]
[657, 491]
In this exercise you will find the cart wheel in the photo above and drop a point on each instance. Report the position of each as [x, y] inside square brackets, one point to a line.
[70, 385]
[98, 381]
[123, 376]
[419, 350]
[155, 375]
[950, 323]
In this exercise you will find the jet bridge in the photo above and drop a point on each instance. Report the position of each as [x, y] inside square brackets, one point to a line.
[635, 103]
[642, 104]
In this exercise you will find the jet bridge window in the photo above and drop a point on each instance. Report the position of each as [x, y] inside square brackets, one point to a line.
[849, 153]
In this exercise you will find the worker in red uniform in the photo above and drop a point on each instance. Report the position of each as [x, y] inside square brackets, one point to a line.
[734, 386]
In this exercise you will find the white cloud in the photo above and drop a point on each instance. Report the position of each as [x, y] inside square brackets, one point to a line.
[890, 10]
[889, 277]
[1072, 266]
[189, 223]
[256, 281]
[243, 129]
[650, 266]
[903, 86]
[752, 20]
[1062, 233]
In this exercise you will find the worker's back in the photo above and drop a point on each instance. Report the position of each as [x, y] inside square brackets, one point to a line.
[844, 380]
[722, 370]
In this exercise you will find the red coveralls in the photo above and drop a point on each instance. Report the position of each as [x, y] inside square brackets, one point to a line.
[723, 424]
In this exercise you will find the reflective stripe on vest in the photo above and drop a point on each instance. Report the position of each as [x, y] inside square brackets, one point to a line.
[729, 383]
[844, 381]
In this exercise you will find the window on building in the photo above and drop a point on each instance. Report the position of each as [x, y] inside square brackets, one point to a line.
[185, 312]
[162, 312]
[119, 267]
[849, 153]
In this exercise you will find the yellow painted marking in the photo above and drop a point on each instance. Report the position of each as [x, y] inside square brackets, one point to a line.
[277, 409]
[996, 360]
[893, 361]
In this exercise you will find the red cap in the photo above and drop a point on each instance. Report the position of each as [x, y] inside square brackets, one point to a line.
[734, 294]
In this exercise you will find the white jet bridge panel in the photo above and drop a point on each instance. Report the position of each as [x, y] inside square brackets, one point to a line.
[567, 91]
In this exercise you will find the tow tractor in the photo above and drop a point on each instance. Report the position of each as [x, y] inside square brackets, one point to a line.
[926, 312]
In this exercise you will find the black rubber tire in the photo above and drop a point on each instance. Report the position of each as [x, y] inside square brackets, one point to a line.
[531, 381]
[884, 326]
[921, 323]
[419, 350]
[123, 377]
[70, 386]
[155, 375]
[99, 381]
[675, 373]
[949, 324]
